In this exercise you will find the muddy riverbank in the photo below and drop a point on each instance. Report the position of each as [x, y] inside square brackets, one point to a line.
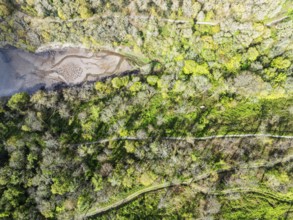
[23, 71]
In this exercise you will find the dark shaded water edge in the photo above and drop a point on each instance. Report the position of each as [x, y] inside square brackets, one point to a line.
[61, 85]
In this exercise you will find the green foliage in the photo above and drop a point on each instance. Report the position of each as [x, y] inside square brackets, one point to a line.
[85, 12]
[83, 202]
[29, 10]
[252, 54]
[191, 67]
[97, 182]
[234, 64]
[72, 155]
[129, 147]
[207, 29]
[254, 208]
[179, 86]
[102, 88]
[165, 31]
[281, 63]
[152, 80]
[12, 195]
[4, 10]
[3, 130]
[62, 15]
[242, 111]
[208, 55]
[276, 78]
[61, 186]
[119, 82]
[135, 87]
[147, 179]
[18, 101]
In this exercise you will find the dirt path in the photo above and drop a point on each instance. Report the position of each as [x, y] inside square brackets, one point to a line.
[101, 141]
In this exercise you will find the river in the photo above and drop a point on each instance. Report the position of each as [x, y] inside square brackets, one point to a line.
[24, 71]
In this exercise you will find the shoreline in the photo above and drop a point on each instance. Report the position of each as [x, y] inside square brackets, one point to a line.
[62, 85]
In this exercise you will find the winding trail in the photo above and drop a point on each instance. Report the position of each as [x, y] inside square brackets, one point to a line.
[132, 138]
[277, 196]
[126, 199]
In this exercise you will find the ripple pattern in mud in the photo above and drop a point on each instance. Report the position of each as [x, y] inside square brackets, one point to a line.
[70, 72]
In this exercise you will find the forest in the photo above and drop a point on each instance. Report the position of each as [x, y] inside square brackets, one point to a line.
[200, 129]
[66, 151]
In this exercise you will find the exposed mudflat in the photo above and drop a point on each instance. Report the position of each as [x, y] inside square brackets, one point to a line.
[24, 71]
